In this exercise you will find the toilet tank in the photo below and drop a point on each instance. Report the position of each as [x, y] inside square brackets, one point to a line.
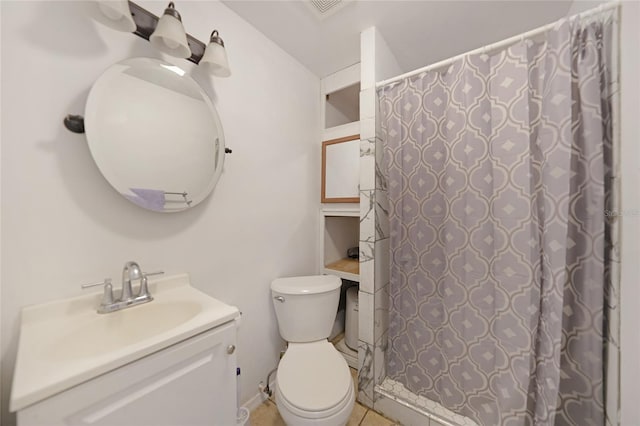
[306, 307]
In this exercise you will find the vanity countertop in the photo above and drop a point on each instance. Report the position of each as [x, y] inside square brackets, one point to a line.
[64, 343]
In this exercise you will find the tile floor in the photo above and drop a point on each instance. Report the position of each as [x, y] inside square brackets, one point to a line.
[267, 414]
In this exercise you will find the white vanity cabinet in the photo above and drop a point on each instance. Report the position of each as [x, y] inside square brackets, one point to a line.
[189, 383]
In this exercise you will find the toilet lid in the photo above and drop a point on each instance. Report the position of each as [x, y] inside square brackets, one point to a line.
[313, 376]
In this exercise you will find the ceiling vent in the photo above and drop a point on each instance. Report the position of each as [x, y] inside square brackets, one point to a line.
[325, 8]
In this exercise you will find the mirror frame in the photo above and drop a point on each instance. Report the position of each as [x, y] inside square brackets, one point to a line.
[323, 193]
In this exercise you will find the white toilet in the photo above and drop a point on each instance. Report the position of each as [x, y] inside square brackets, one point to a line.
[313, 382]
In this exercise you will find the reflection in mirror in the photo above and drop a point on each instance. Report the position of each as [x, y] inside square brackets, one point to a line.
[341, 170]
[154, 134]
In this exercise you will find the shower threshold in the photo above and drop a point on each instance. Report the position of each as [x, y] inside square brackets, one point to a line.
[438, 414]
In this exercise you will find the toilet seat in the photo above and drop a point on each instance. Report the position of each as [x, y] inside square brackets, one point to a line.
[347, 402]
[313, 380]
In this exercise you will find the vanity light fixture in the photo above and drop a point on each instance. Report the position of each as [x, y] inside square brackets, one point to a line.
[114, 14]
[215, 57]
[166, 33]
[169, 36]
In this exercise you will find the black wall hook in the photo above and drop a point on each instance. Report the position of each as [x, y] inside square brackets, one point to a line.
[74, 123]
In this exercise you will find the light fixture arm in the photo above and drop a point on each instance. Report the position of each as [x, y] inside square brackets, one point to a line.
[215, 38]
[146, 23]
[171, 10]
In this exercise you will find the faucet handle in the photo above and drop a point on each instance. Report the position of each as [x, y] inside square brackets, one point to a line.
[107, 296]
[103, 282]
[144, 290]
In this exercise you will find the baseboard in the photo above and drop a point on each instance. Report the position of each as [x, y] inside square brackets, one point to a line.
[259, 398]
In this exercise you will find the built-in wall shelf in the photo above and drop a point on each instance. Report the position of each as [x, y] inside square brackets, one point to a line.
[342, 106]
[340, 230]
[341, 103]
[340, 209]
[347, 268]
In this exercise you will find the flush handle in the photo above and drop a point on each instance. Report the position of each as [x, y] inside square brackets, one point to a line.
[231, 349]
[279, 298]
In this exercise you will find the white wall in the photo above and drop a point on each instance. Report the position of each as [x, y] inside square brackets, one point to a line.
[63, 225]
[630, 182]
[1, 392]
[579, 6]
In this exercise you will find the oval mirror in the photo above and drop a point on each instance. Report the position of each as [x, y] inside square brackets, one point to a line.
[154, 134]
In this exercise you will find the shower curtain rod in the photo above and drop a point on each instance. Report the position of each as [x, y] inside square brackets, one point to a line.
[506, 42]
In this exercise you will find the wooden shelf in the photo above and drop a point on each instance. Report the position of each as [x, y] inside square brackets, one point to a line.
[348, 269]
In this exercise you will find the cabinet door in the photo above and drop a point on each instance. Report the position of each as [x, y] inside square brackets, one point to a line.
[192, 383]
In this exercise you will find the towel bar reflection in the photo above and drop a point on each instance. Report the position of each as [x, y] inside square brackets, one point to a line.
[183, 194]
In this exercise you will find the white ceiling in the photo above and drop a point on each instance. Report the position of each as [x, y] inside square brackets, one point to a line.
[418, 32]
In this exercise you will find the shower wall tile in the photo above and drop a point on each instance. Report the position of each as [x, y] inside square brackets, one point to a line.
[382, 266]
[367, 149]
[381, 178]
[367, 164]
[368, 58]
[379, 360]
[367, 266]
[381, 313]
[365, 374]
[382, 214]
[368, 212]
[381, 171]
[367, 128]
[374, 215]
[368, 103]
[378, 116]
[374, 234]
[366, 317]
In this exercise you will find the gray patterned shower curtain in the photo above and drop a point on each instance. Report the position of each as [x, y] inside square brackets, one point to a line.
[499, 179]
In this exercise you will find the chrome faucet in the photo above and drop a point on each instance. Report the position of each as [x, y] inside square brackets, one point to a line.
[130, 272]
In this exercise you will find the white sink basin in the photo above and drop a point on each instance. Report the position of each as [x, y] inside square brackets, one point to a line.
[65, 343]
[121, 328]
